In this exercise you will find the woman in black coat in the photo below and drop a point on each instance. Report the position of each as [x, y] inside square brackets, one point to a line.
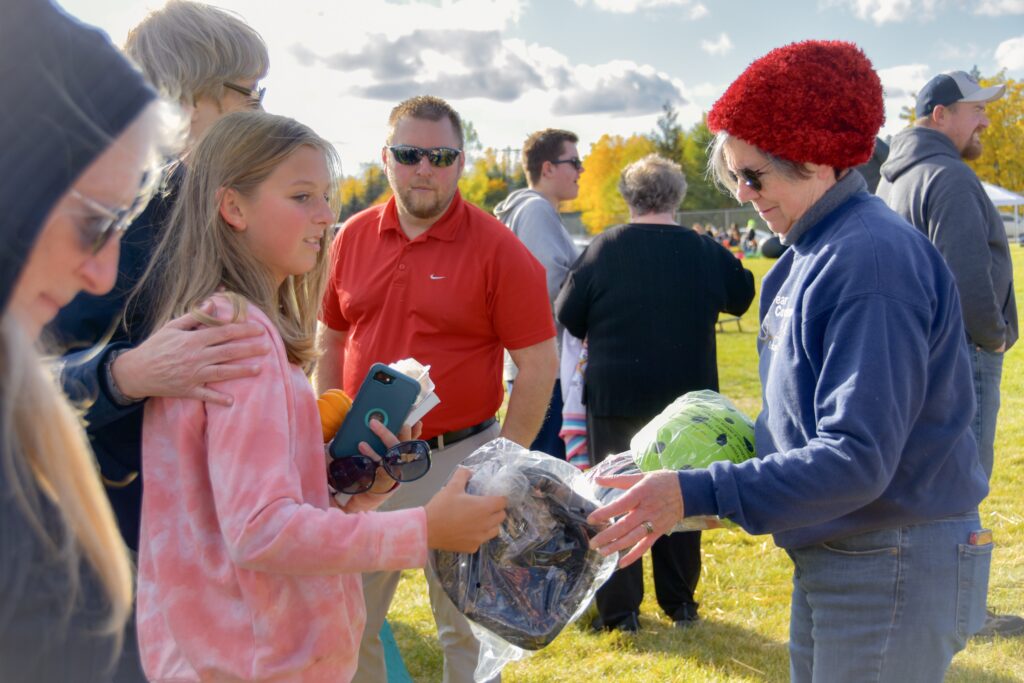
[646, 296]
[77, 132]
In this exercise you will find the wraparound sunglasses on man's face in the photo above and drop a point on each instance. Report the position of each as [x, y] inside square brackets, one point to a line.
[439, 157]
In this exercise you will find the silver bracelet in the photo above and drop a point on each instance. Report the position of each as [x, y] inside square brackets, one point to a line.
[114, 390]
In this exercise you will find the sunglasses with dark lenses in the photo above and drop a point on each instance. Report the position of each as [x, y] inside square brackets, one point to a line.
[439, 157]
[751, 179]
[255, 96]
[107, 222]
[404, 462]
[575, 161]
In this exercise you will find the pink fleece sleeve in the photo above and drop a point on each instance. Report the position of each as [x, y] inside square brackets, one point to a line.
[270, 490]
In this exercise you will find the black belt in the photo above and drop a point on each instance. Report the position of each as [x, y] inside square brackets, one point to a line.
[449, 438]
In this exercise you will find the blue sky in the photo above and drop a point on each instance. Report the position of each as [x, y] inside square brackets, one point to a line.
[592, 66]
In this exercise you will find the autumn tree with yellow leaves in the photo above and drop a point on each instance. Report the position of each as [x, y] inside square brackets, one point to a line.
[599, 202]
[490, 178]
[1002, 163]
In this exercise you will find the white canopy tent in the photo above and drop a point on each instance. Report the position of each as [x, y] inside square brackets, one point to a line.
[1000, 196]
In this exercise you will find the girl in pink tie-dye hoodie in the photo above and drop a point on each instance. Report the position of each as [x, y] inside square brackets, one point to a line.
[247, 569]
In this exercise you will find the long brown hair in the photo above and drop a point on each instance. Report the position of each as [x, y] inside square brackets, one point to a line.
[200, 253]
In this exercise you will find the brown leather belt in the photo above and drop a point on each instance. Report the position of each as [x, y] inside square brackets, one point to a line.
[447, 439]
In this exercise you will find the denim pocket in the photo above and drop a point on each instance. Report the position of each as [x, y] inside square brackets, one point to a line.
[882, 542]
[972, 588]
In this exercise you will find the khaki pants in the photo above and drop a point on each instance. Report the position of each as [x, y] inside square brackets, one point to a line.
[461, 648]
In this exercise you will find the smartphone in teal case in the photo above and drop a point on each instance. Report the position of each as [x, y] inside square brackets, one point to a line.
[385, 394]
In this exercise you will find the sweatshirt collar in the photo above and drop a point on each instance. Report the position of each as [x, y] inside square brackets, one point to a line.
[847, 186]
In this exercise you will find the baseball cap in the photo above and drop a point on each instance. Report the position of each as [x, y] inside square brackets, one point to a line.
[954, 86]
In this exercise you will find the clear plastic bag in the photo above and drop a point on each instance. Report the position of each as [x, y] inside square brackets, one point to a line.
[523, 587]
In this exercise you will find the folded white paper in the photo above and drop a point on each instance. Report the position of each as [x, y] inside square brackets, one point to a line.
[427, 399]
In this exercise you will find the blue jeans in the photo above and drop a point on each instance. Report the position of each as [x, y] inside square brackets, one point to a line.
[987, 372]
[889, 606]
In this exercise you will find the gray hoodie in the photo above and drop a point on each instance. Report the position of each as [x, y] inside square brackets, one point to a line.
[536, 223]
[926, 182]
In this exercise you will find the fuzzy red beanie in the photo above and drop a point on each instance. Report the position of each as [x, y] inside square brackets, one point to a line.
[818, 101]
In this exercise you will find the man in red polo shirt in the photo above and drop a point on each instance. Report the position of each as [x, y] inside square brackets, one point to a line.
[434, 278]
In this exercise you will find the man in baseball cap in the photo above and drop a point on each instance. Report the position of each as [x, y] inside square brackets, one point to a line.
[926, 181]
[950, 88]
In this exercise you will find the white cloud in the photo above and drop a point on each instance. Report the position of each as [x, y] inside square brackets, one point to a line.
[621, 88]
[901, 84]
[698, 11]
[1010, 54]
[996, 8]
[958, 53]
[905, 80]
[708, 91]
[631, 6]
[458, 64]
[721, 46]
[889, 11]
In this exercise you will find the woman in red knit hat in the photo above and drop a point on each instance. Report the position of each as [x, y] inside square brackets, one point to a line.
[868, 475]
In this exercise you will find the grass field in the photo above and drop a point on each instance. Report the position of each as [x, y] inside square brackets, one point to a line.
[744, 590]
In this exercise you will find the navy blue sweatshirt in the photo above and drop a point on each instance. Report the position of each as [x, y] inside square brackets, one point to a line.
[867, 394]
[115, 431]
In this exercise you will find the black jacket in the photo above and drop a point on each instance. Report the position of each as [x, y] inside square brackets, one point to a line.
[646, 298]
[65, 93]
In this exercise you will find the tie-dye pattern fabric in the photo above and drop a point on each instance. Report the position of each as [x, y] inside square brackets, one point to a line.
[246, 572]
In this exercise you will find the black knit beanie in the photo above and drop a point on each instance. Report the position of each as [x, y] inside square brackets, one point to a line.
[65, 94]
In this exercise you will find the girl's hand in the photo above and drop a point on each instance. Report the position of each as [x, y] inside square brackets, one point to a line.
[383, 484]
[361, 502]
[460, 521]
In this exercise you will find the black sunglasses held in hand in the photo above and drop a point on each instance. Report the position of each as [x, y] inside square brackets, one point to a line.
[440, 157]
[404, 462]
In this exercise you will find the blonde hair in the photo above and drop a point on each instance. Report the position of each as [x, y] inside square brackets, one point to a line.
[200, 253]
[46, 457]
[188, 49]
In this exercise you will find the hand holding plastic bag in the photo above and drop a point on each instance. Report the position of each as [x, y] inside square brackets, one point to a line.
[522, 588]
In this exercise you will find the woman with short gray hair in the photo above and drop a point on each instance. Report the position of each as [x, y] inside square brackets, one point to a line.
[652, 185]
[646, 295]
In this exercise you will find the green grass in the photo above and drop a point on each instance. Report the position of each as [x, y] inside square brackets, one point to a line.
[745, 584]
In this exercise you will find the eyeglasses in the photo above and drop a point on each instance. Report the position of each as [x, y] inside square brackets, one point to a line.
[575, 161]
[751, 179]
[404, 462]
[439, 157]
[108, 222]
[256, 96]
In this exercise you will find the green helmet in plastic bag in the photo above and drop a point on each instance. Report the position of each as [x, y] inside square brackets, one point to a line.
[695, 430]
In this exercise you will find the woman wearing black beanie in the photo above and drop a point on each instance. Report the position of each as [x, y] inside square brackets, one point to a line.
[78, 127]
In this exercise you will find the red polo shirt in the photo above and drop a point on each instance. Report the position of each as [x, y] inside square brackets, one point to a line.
[452, 298]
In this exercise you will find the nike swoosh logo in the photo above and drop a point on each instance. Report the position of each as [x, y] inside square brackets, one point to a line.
[437, 277]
